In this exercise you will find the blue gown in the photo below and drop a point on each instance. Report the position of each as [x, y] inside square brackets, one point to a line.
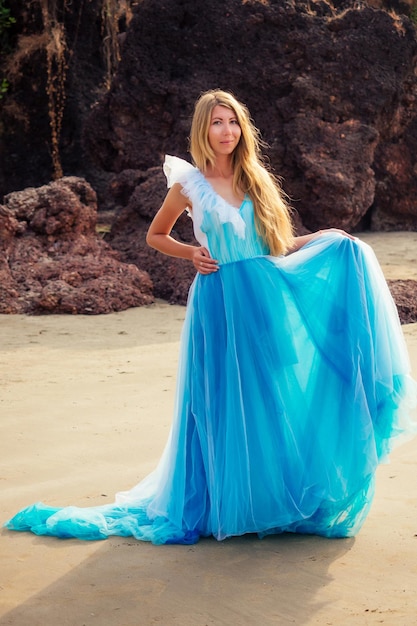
[293, 385]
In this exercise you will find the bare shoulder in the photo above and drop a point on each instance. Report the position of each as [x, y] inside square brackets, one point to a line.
[175, 200]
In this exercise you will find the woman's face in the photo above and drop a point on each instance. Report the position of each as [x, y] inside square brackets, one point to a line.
[224, 131]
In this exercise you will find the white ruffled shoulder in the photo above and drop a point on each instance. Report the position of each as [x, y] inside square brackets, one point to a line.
[203, 198]
[177, 170]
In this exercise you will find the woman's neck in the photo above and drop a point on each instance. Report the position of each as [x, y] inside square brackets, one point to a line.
[222, 168]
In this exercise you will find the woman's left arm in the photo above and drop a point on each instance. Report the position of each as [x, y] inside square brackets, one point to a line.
[301, 241]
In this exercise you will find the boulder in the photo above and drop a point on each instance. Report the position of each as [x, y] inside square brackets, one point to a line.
[171, 277]
[331, 86]
[53, 261]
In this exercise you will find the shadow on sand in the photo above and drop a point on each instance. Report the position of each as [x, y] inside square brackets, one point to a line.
[242, 581]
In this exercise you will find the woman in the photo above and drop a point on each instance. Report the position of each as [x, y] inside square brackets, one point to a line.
[293, 381]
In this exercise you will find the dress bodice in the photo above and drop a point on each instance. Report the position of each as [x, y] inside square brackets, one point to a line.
[228, 232]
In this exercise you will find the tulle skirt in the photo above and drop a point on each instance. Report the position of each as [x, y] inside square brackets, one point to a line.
[293, 385]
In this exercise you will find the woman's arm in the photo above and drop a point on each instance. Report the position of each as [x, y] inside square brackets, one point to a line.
[159, 233]
[301, 241]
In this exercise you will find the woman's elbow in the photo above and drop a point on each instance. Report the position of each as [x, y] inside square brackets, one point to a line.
[150, 239]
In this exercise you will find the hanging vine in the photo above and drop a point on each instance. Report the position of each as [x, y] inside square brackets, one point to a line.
[53, 41]
[110, 32]
[56, 69]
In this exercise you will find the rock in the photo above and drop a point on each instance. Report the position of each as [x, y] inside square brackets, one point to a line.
[336, 160]
[395, 206]
[41, 104]
[404, 293]
[171, 277]
[335, 93]
[52, 260]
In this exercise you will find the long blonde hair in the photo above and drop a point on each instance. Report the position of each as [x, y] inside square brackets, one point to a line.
[250, 175]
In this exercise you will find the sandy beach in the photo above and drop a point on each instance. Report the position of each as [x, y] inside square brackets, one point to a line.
[86, 405]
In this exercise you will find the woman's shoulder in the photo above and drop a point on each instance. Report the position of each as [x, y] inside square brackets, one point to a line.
[177, 170]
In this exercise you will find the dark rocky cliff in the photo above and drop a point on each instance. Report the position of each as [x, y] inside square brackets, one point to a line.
[330, 91]
[57, 63]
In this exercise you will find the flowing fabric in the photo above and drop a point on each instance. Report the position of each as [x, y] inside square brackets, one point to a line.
[293, 385]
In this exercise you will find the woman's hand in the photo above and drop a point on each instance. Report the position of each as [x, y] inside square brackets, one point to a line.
[203, 262]
[335, 230]
[302, 240]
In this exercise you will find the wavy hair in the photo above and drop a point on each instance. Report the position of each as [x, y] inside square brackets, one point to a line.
[250, 174]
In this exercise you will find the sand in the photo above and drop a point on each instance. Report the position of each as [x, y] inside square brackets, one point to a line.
[86, 405]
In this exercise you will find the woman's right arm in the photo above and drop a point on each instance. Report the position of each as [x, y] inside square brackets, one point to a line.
[159, 233]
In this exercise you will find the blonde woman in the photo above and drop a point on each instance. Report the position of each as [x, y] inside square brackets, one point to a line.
[294, 379]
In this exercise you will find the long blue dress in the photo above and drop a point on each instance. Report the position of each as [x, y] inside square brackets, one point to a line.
[293, 385]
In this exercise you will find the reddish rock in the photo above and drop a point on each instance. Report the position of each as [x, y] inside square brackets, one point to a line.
[52, 260]
[336, 161]
[395, 206]
[404, 293]
[171, 277]
[334, 92]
